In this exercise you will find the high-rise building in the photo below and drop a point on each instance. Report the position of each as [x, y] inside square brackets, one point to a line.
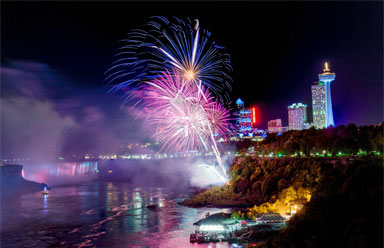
[297, 115]
[321, 99]
[239, 104]
[274, 126]
[243, 120]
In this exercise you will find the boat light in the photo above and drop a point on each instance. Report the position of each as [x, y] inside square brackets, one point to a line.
[212, 228]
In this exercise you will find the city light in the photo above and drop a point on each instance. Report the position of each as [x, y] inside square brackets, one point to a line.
[244, 120]
[253, 115]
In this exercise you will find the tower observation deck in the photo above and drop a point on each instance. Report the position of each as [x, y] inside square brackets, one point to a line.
[321, 99]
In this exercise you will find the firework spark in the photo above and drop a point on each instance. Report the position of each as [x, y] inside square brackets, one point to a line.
[215, 171]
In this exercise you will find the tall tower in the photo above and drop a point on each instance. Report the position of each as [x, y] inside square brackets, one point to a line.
[321, 99]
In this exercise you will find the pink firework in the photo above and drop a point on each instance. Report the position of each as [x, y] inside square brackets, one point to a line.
[219, 117]
[183, 113]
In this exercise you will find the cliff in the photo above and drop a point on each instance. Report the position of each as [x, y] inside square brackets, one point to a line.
[12, 181]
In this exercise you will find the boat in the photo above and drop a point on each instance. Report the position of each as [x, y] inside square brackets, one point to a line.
[192, 238]
[202, 238]
[44, 192]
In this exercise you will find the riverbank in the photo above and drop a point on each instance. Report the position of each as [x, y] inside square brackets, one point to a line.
[342, 199]
[255, 181]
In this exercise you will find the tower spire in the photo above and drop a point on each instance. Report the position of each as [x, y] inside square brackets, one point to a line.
[326, 69]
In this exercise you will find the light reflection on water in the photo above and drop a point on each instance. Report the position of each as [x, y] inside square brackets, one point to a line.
[102, 215]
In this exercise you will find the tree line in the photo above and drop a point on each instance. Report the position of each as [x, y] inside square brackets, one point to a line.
[347, 140]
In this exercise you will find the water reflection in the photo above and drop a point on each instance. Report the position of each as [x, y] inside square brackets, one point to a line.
[45, 204]
[104, 215]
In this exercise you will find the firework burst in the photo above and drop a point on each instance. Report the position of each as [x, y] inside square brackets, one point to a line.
[175, 45]
[185, 116]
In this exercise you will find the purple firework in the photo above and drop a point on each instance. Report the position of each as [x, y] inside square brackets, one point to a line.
[184, 115]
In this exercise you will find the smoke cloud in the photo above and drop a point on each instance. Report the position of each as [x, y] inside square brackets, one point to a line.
[30, 126]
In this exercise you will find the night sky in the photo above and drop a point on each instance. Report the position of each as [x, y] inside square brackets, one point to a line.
[277, 50]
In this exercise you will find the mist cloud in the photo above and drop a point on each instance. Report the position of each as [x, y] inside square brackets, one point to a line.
[45, 115]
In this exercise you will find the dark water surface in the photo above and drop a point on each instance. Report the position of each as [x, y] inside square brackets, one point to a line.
[101, 214]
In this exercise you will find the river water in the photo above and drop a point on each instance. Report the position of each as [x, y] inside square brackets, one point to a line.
[101, 214]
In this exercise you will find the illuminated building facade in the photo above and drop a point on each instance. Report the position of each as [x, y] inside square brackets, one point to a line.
[258, 135]
[321, 99]
[275, 126]
[243, 120]
[297, 115]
